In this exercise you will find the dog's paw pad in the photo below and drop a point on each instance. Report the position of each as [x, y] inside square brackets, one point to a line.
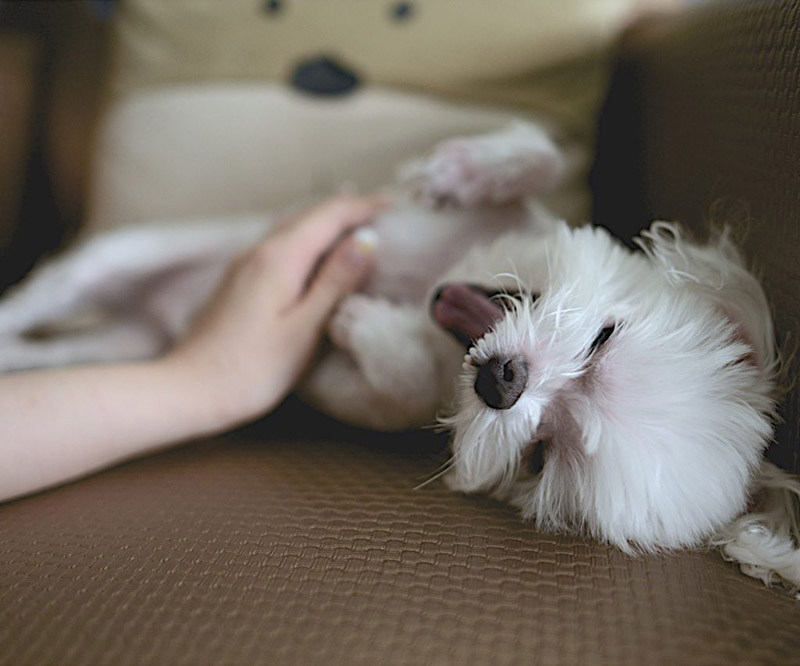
[489, 169]
[454, 174]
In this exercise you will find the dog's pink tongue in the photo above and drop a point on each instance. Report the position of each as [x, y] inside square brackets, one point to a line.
[465, 311]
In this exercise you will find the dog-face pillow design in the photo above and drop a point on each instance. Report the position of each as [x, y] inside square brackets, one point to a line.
[289, 98]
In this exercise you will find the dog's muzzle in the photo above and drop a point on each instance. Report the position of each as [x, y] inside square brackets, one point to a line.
[469, 313]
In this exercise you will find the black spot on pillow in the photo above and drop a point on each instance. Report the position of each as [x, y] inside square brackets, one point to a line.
[324, 75]
[402, 11]
[274, 7]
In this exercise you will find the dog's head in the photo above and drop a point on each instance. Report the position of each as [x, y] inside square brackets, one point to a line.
[646, 377]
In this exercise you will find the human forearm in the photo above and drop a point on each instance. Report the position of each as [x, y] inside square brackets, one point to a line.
[243, 354]
[58, 425]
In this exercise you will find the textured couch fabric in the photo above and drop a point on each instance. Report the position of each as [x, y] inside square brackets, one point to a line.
[311, 548]
[300, 541]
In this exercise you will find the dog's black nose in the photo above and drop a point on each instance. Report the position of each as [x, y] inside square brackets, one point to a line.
[501, 381]
[324, 76]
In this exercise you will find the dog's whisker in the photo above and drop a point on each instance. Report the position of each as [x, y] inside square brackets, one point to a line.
[438, 473]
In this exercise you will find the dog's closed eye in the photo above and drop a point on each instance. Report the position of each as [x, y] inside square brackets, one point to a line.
[602, 337]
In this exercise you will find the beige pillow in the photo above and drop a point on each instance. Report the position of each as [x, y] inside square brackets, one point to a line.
[203, 118]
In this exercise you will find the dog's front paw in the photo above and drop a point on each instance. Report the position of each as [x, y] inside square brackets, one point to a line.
[457, 174]
[386, 342]
[343, 328]
[362, 323]
[490, 169]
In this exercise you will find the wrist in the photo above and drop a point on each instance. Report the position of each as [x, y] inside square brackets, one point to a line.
[194, 392]
[216, 396]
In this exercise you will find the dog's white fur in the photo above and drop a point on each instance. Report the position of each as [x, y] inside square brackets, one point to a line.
[653, 439]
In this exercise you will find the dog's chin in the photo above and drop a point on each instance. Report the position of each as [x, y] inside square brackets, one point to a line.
[492, 449]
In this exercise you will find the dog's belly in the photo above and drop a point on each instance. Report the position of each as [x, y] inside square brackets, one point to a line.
[417, 244]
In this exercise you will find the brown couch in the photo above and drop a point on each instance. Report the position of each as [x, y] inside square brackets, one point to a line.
[300, 541]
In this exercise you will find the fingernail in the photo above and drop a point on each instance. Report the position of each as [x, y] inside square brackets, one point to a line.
[363, 246]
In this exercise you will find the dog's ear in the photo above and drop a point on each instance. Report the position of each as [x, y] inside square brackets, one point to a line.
[717, 271]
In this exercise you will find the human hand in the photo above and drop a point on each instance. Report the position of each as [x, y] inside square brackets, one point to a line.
[256, 336]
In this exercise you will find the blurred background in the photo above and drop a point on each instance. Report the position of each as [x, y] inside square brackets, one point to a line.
[53, 58]
[113, 112]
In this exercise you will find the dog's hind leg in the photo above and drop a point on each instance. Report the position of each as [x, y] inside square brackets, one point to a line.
[106, 271]
[119, 340]
[52, 292]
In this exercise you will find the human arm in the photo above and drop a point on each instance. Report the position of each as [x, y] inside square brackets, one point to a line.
[241, 357]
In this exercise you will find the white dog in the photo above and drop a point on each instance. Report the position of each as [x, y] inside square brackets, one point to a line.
[646, 380]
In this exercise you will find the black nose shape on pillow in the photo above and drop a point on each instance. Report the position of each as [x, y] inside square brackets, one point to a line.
[501, 381]
[324, 76]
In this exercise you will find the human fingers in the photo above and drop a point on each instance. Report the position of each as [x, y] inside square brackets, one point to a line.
[340, 273]
[306, 241]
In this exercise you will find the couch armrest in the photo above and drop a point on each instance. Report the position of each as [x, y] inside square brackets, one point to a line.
[703, 125]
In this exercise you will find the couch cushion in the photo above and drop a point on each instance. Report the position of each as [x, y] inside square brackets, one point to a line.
[312, 547]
